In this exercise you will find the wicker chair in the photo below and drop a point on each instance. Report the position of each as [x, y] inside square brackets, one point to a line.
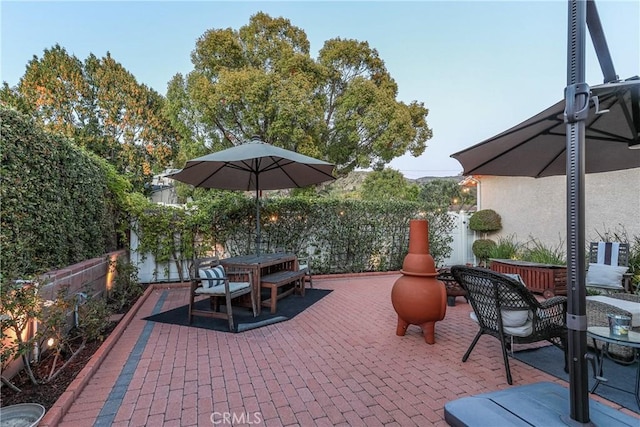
[597, 312]
[508, 311]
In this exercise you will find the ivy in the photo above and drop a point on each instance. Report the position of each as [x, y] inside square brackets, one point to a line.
[341, 235]
[57, 207]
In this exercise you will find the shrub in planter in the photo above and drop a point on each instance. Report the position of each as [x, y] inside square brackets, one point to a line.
[485, 220]
[483, 248]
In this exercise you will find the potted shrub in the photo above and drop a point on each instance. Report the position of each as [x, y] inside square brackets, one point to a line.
[484, 221]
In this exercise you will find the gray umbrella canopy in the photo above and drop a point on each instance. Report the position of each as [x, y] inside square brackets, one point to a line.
[255, 166]
[537, 146]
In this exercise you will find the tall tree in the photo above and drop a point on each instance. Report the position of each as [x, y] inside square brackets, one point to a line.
[102, 107]
[261, 80]
[388, 184]
[446, 193]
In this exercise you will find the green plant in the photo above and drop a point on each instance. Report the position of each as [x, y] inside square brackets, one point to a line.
[57, 208]
[485, 220]
[126, 287]
[93, 318]
[536, 251]
[20, 305]
[634, 263]
[54, 327]
[506, 248]
[483, 248]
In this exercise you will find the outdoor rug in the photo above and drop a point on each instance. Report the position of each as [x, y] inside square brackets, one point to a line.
[288, 308]
[621, 378]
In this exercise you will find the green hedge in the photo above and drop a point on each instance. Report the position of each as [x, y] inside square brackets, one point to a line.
[61, 206]
[56, 207]
[341, 235]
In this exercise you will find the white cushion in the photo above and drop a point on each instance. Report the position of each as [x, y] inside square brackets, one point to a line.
[523, 330]
[219, 290]
[214, 274]
[605, 275]
[516, 277]
[630, 306]
[515, 318]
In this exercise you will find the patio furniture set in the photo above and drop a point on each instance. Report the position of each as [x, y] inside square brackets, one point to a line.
[504, 307]
[224, 280]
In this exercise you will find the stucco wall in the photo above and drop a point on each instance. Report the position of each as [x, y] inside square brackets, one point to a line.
[536, 207]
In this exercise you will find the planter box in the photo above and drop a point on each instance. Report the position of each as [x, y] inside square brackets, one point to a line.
[545, 279]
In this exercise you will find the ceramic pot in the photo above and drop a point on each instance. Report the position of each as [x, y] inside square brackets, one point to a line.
[417, 297]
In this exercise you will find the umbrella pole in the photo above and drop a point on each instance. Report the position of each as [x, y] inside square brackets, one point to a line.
[576, 109]
[257, 218]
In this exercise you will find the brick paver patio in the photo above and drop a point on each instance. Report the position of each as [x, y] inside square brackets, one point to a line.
[337, 363]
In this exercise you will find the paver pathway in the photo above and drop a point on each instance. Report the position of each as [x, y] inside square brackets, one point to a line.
[337, 363]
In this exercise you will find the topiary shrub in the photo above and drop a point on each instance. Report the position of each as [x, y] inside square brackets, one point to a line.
[483, 248]
[485, 220]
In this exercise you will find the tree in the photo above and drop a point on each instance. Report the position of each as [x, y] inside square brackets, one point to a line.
[388, 184]
[102, 107]
[261, 80]
[443, 193]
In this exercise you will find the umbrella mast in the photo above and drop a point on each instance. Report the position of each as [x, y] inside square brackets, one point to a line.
[258, 213]
[577, 100]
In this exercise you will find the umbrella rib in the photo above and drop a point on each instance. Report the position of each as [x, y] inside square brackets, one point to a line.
[628, 117]
[279, 163]
[552, 118]
[471, 171]
[208, 176]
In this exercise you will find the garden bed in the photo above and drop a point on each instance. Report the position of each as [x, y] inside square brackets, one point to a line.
[47, 394]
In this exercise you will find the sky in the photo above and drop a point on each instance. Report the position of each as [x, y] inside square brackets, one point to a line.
[480, 67]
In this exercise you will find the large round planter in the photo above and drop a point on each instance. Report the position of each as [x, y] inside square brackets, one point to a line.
[21, 415]
[417, 296]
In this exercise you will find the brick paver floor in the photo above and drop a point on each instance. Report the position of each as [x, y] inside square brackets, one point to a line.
[337, 363]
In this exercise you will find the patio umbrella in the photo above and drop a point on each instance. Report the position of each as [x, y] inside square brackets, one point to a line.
[254, 166]
[593, 140]
[537, 147]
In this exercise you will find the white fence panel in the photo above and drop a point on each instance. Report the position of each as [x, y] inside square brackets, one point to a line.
[149, 270]
[462, 240]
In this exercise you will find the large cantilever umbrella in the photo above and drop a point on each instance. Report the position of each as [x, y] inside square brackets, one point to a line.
[570, 138]
[537, 147]
[255, 166]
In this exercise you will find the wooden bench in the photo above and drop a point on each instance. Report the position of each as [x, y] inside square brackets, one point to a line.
[276, 280]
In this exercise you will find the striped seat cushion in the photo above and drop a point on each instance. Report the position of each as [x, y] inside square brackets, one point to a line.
[215, 276]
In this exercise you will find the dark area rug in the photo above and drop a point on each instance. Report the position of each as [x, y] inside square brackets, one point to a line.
[288, 307]
[621, 378]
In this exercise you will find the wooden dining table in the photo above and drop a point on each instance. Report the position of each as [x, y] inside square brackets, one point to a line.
[261, 265]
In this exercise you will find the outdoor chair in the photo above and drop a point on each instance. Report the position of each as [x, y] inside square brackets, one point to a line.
[209, 278]
[608, 265]
[508, 311]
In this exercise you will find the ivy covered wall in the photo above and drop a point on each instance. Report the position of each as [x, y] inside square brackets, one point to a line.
[342, 236]
[61, 205]
[56, 209]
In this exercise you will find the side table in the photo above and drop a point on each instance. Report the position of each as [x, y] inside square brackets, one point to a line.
[602, 333]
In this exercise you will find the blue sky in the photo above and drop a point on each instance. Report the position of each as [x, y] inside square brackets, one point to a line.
[480, 67]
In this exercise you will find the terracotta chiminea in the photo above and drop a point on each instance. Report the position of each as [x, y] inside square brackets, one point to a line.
[418, 298]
